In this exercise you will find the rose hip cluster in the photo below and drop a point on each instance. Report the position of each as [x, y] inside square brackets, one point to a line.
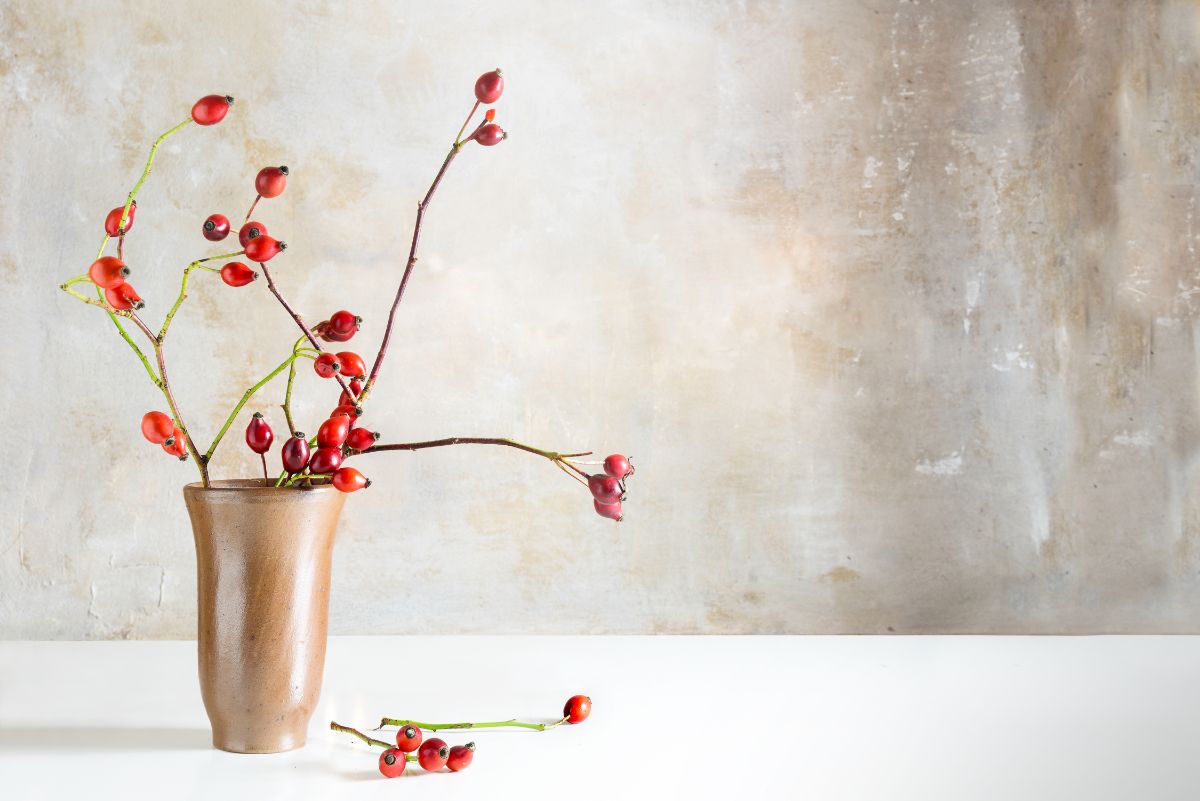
[320, 459]
[337, 438]
[608, 488]
[159, 429]
[434, 754]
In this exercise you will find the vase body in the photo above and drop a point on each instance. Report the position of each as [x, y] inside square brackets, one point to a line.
[263, 559]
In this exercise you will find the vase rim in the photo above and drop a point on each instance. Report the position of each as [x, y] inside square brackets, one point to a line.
[250, 486]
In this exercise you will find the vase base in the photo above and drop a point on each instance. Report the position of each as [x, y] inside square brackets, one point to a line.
[276, 743]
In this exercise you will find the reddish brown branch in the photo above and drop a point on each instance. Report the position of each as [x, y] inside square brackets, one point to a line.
[412, 261]
[438, 443]
[300, 322]
[161, 358]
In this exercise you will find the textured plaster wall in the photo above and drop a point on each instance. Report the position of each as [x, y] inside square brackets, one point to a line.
[894, 303]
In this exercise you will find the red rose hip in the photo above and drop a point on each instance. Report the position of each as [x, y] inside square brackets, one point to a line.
[577, 709]
[177, 446]
[215, 228]
[490, 86]
[392, 762]
[271, 181]
[355, 388]
[250, 230]
[618, 466]
[295, 453]
[157, 427]
[460, 756]
[347, 479]
[610, 510]
[112, 223]
[605, 489]
[490, 134]
[107, 272]
[325, 460]
[333, 432]
[326, 365]
[408, 739]
[348, 409]
[359, 439]
[264, 248]
[258, 434]
[211, 109]
[353, 365]
[344, 322]
[237, 274]
[123, 297]
[433, 754]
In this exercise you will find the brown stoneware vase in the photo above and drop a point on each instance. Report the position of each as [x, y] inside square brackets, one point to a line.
[262, 563]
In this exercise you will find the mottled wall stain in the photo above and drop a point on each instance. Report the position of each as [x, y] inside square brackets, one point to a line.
[894, 303]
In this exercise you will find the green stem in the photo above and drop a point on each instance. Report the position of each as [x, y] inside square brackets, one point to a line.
[287, 396]
[306, 477]
[138, 186]
[368, 740]
[466, 122]
[142, 356]
[102, 303]
[197, 264]
[499, 724]
[245, 397]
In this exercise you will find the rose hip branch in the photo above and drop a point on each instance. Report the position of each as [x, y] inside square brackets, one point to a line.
[321, 458]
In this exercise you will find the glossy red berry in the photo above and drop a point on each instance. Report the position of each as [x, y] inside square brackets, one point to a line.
[408, 739]
[392, 762]
[264, 248]
[249, 231]
[359, 439]
[112, 223]
[295, 453]
[355, 388]
[490, 86]
[177, 446]
[108, 272]
[605, 489]
[258, 434]
[460, 756]
[618, 466]
[325, 460]
[216, 227]
[344, 322]
[610, 510]
[211, 109]
[353, 365]
[348, 479]
[348, 409]
[123, 297]
[326, 365]
[157, 427]
[271, 181]
[490, 134]
[329, 335]
[333, 432]
[433, 754]
[237, 274]
[577, 709]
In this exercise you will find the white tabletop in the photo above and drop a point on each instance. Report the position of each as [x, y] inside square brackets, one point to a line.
[778, 717]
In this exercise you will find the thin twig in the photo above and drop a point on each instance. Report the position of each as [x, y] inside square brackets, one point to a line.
[300, 322]
[438, 443]
[498, 724]
[360, 735]
[412, 261]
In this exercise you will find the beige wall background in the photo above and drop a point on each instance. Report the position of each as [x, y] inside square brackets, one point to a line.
[893, 303]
